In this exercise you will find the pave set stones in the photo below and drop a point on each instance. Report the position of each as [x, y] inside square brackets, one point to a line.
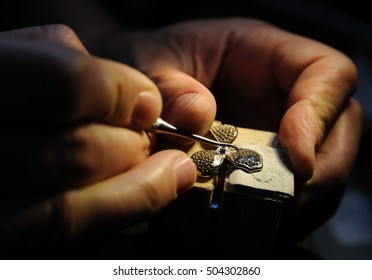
[208, 162]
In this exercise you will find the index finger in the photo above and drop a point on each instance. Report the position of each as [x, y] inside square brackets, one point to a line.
[57, 33]
[48, 83]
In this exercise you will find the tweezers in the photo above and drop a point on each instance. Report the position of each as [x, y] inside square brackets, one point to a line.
[162, 127]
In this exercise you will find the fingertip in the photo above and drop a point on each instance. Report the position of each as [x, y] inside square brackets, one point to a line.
[193, 112]
[185, 172]
[122, 95]
[297, 136]
[303, 162]
[188, 104]
[140, 103]
[147, 109]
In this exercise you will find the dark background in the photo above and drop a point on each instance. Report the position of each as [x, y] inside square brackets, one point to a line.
[346, 26]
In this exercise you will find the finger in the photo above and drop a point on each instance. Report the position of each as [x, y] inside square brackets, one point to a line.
[336, 156]
[116, 202]
[43, 84]
[132, 196]
[50, 161]
[318, 199]
[57, 33]
[319, 87]
[187, 103]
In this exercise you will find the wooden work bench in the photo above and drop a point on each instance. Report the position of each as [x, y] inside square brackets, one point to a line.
[230, 215]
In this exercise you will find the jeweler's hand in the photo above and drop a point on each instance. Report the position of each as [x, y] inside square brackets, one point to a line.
[74, 154]
[265, 78]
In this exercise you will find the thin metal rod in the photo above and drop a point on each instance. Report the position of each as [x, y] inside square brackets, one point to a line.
[162, 127]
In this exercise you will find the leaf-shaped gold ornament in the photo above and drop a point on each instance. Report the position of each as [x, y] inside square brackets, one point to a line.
[209, 161]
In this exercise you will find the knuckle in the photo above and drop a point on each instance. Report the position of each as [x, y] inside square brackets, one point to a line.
[60, 32]
[159, 192]
[73, 157]
[155, 198]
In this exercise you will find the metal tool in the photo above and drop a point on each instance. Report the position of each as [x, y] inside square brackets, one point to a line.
[162, 127]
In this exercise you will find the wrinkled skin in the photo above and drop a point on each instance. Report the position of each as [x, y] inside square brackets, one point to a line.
[75, 155]
[265, 78]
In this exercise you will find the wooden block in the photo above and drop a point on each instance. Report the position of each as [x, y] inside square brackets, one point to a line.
[232, 214]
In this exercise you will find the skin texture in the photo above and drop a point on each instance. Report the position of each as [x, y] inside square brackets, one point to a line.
[265, 78]
[76, 157]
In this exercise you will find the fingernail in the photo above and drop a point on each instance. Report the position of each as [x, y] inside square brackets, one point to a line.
[185, 171]
[146, 108]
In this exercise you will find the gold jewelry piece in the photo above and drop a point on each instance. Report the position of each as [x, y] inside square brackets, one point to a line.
[208, 162]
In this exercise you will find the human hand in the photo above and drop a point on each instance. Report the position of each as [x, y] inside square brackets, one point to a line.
[264, 78]
[75, 156]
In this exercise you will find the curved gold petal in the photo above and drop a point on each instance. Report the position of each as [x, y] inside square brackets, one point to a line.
[207, 162]
[225, 133]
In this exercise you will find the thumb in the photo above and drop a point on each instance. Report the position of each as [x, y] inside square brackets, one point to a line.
[46, 83]
[129, 197]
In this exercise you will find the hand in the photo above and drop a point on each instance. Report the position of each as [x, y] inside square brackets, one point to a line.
[264, 78]
[75, 156]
